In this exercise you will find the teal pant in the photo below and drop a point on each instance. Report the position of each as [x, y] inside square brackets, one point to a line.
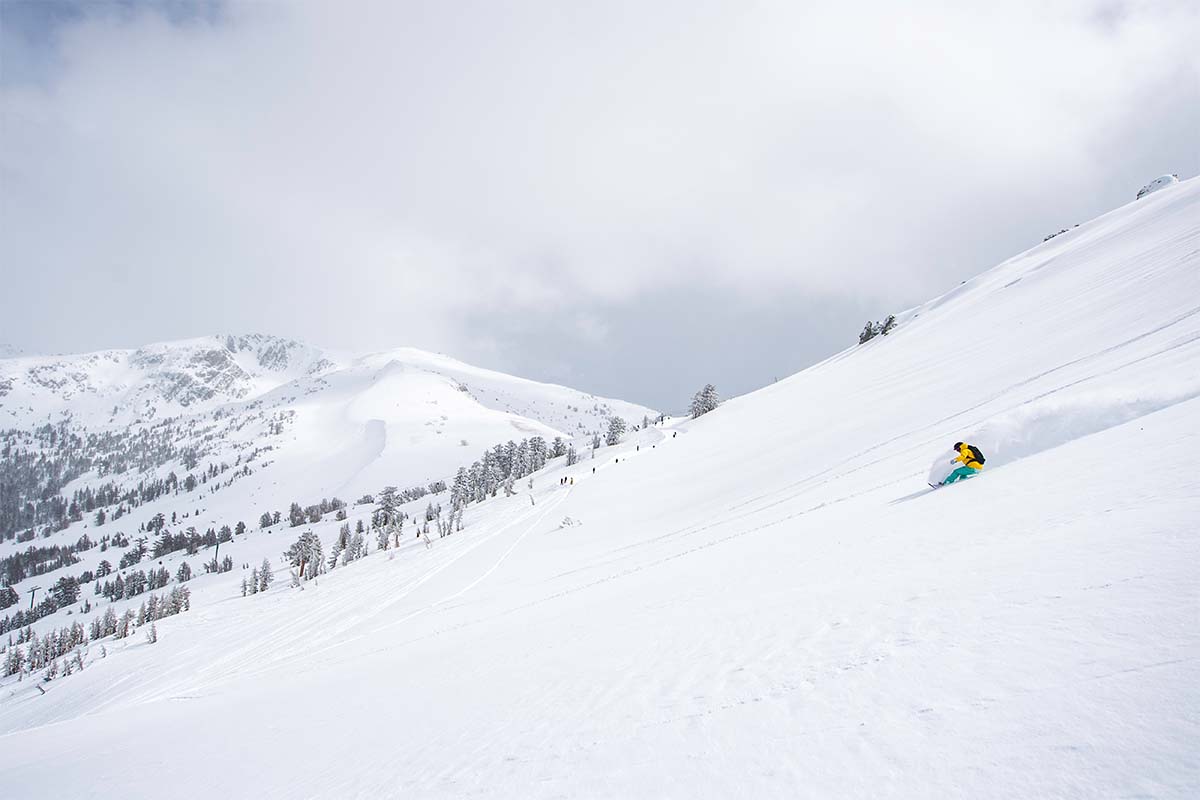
[962, 473]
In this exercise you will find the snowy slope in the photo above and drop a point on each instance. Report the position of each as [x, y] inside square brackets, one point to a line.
[765, 602]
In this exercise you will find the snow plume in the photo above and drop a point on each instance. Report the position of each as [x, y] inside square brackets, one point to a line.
[1053, 421]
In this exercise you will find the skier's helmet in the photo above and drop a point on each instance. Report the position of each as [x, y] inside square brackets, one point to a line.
[958, 445]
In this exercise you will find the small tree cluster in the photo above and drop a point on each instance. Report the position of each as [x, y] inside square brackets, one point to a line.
[42, 651]
[347, 547]
[498, 469]
[874, 329]
[46, 650]
[218, 567]
[134, 583]
[260, 579]
[704, 401]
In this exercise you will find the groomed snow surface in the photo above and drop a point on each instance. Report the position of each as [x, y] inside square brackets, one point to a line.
[766, 602]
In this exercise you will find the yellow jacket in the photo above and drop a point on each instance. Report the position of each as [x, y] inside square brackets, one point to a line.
[967, 457]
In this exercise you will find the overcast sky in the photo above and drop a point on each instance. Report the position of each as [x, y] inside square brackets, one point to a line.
[632, 198]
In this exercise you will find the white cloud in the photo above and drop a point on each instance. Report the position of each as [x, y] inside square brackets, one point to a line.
[374, 174]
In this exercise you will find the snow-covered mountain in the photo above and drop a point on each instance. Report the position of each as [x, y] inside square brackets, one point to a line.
[117, 387]
[764, 602]
[334, 423]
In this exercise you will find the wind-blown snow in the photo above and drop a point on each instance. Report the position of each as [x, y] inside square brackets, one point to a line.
[766, 602]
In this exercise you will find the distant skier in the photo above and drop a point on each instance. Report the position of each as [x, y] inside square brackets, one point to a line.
[971, 460]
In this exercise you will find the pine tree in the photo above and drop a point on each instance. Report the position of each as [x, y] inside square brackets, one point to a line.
[506, 458]
[357, 548]
[704, 401]
[460, 491]
[888, 325]
[306, 555]
[14, 660]
[616, 429]
[265, 575]
[521, 465]
[537, 453]
[869, 332]
[110, 622]
[388, 503]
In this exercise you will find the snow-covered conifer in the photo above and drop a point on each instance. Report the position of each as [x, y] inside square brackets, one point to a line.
[306, 555]
[265, 575]
[357, 548]
[388, 503]
[869, 332]
[704, 401]
[616, 429]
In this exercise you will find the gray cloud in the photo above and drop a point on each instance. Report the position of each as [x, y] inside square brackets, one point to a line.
[554, 188]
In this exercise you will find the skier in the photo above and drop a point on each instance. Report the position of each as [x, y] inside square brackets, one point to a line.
[971, 459]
